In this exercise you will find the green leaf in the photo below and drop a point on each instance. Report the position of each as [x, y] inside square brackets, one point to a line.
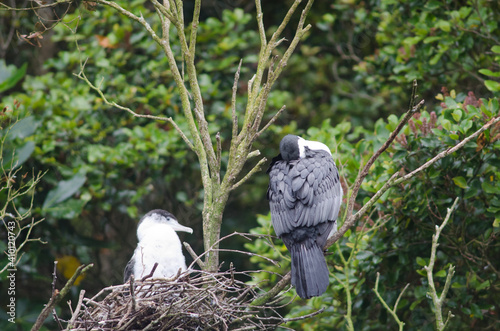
[440, 273]
[454, 136]
[492, 85]
[465, 126]
[457, 114]
[444, 25]
[15, 76]
[24, 128]
[488, 72]
[68, 209]
[415, 304]
[429, 40]
[20, 156]
[421, 262]
[496, 49]
[489, 188]
[446, 124]
[64, 190]
[435, 59]
[457, 285]
[460, 182]
[422, 272]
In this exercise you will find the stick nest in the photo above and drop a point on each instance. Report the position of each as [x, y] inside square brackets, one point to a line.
[194, 300]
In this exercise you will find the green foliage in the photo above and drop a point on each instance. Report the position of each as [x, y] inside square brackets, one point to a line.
[492, 85]
[106, 169]
[395, 238]
[10, 75]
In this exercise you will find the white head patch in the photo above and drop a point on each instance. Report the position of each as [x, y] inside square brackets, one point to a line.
[312, 145]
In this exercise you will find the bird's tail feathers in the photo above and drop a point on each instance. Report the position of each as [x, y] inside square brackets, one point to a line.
[309, 270]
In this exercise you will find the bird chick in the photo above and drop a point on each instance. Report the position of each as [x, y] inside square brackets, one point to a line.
[158, 243]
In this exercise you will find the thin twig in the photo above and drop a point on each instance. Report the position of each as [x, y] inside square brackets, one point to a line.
[151, 273]
[77, 310]
[5, 7]
[359, 180]
[58, 295]
[314, 313]
[83, 77]
[262, 299]
[271, 121]
[391, 311]
[194, 256]
[447, 152]
[132, 293]
[249, 174]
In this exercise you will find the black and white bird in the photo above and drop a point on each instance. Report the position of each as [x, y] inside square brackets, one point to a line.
[304, 195]
[158, 243]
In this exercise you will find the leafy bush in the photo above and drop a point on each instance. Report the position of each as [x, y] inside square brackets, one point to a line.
[395, 238]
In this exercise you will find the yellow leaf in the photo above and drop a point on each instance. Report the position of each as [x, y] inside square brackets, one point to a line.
[440, 96]
[453, 94]
[67, 265]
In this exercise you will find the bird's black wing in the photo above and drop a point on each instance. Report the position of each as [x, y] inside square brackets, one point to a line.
[304, 192]
[129, 269]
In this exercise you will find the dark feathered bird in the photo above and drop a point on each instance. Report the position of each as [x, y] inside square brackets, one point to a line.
[158, 243]
[304, 195]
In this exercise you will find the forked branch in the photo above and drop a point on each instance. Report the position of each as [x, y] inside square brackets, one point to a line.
[438, 300]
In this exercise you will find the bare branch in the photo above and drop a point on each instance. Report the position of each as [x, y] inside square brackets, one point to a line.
[359, 180]
[250, 173]
[271, 121]
[391, 311]
[438, 300]
[261, 300]
[77, 309]
[58, 295]
[194, 256]
[83, 77]
[165, 11]
[447, 152]
[4, 7]
[285, 320]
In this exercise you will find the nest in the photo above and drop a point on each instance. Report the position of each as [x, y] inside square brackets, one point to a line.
[195, 300]
[192, 300]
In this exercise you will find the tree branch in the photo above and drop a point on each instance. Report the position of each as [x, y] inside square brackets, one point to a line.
[58, 295]
[261, 300]
[4, 7]
[250, 173]
[362, 175]
[271, 121]
[438, 300]
[83, 77]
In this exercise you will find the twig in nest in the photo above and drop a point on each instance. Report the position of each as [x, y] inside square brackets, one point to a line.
[151, 273]
[77, 309]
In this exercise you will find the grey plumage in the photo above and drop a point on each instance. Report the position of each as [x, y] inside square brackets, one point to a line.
[304, 195]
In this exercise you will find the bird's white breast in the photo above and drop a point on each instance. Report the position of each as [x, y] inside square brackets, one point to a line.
[159, 243]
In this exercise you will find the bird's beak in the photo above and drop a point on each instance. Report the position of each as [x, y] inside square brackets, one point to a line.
[177, 227]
